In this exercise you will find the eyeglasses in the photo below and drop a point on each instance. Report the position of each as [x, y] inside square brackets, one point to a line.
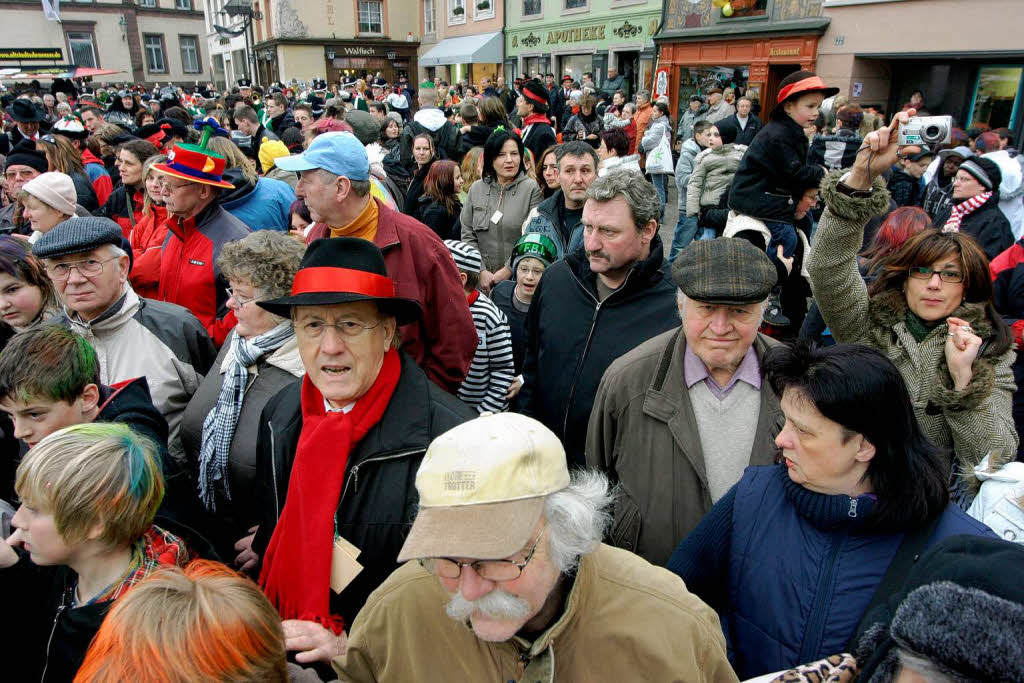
[347, 328]
[172, 187]
[925, 273]
[88, 268]
[490, 570]
[239, 298]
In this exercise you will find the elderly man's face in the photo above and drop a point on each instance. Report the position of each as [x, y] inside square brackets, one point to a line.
[15, 178]
[342, 347]
[320, 190]
[719, 334]
[612, 240]
[743, 108]
[184, 198]
[91, 292]
[497, 610]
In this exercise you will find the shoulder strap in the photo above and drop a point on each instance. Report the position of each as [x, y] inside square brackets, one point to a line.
[666, 360]
[913, 544]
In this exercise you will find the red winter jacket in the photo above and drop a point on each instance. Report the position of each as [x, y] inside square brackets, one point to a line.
[116, 208]
[101, 182]
[444, 340]
[147, 242]
[189, 275]
[1007, 272]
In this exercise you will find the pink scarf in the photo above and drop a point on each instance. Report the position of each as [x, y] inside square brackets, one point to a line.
[962, 209]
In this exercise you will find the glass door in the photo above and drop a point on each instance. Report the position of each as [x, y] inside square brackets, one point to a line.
[996, 98]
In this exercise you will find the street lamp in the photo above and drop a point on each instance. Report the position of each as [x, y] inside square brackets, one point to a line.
[243, 10]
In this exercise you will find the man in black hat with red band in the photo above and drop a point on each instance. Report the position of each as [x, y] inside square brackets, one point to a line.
[337, 454]
[28, 118]
[532, 106]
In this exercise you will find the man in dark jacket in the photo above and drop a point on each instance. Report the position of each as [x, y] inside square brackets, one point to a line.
[743, 122]
[532, 107]
[337, 453]
[905, 185]
[558, 99]
[560, 216]
[595, 305]
[838, 150]
[938, 193]
[281, 118]
[432, 121]
[443, 340]
[248, 122]
[975, 207]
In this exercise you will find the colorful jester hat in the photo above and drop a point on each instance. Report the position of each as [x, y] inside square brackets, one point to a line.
[196, 163]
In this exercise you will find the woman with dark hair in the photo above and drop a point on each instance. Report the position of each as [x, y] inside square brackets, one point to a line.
[497, 204]
[792, 555]
[424, 155]
[125, 203]
[62, 156]
[440, 207]
[144, 117]
[547, 172]
[613, 151]
[26, 293]
[899, 226]
[300, 221]
[929, 310]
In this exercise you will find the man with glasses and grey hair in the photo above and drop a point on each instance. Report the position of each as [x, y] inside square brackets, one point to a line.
[689, 402]
[596, 304]
[133, 336]
[508, 546]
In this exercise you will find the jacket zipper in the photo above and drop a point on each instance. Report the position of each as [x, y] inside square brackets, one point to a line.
[53, 630]
[353, 479]
[816, 621]
[586, 347]
[273, 470]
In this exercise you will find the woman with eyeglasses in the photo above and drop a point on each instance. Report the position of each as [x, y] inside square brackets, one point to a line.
[258, 359]
[929, 310]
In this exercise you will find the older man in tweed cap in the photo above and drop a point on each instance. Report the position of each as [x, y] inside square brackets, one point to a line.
[677, 419]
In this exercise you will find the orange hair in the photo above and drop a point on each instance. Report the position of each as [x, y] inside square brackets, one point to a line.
[206, 623]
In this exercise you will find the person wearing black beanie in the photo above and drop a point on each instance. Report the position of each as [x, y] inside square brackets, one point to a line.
[975, 208]
[22, 165]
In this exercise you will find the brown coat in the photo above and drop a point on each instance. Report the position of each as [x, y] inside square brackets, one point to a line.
[643, 434]
[624, 620]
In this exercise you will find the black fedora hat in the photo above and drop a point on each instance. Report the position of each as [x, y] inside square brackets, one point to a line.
[340, 270]
[25, 111]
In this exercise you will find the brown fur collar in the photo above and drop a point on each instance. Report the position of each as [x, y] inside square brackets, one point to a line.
[890, 307]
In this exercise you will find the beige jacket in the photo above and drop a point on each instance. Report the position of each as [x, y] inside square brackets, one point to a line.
[643, 434]
[624, 620]
[496, 240]
[971, 422]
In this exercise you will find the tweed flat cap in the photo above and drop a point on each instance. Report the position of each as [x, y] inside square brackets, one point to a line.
[76, 235]
[724, 271]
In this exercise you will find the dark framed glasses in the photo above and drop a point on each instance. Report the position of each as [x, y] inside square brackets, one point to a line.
[490, 570]
[925, 273]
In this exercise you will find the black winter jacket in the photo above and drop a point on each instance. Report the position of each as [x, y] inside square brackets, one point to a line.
[744, 136]
[539, 138]
[476, 137]
[774, 171]
[378, 498]
[835, 151]
[904, 188]
[571, 338]
[447, 140]
[445, 224]
[987, 224]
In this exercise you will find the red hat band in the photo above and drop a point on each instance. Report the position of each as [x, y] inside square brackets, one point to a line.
[810, 83]
[197, 164]
[534, 96]
[331, 279]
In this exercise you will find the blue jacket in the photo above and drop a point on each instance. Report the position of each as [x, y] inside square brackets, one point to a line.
[266, 206]
[791, 571]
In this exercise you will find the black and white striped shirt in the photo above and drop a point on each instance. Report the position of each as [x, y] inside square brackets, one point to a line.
[493, 368]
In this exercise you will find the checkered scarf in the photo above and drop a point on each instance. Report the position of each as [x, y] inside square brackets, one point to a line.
[962, 209]
[219, 425]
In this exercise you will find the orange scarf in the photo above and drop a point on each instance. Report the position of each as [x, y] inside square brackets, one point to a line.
[364, 226]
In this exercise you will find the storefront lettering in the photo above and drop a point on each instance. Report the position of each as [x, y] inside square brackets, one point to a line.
[784, 52]
[358, 50]
[575, 35]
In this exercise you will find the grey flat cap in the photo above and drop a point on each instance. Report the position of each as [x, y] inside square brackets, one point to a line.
[76, 235]
[724, 271]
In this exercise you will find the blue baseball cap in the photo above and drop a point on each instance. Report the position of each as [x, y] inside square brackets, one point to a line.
[339, 153]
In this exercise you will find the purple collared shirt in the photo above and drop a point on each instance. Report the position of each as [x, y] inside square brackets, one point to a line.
[694, 371]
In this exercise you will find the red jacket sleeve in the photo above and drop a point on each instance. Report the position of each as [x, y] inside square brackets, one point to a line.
[102, 186]
[450, 337]
[219, 329]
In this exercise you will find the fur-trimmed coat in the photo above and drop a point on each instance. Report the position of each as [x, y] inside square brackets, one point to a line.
[971, 422]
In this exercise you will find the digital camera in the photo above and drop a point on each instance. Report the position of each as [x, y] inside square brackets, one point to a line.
[926, 130]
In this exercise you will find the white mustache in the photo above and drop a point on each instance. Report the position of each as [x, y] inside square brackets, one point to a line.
[497, 605]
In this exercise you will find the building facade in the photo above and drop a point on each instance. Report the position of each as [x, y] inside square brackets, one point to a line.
[975, 73]
[146, 41]
[748, 45]
[462, 39]
[333, 39]
[571, 37]
[228, 53]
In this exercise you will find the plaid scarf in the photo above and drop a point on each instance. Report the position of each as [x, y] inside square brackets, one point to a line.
[962, 209]
[219, 425]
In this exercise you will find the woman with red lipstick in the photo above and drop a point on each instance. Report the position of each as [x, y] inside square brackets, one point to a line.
[929, 311]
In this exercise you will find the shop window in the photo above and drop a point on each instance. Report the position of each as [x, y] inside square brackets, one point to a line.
[576, 65]
[741, 9]
[532, 67]
[532, 8]
[457, 12]
[428, 16]
[82, 48]
[370, 17]
[698, 80]
[996, 96]
[483, 9]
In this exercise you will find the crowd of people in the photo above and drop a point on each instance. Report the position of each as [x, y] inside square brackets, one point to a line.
[375, 383]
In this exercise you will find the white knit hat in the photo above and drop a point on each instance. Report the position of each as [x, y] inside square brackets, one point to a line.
[54, 189]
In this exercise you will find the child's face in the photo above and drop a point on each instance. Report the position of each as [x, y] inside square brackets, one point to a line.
[804, 109]
[37, 533]
[917, 168]
[36, 419]
[528, 275]
[713, 138]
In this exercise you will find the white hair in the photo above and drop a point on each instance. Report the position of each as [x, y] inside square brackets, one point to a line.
[924, 667]
[577, 518]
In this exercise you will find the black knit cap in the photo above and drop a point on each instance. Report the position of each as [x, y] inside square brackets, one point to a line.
[77, 234]
[25, 154]
[985, 171]
[341, 270]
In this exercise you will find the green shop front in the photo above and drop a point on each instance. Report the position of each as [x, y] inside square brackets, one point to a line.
[583, 45]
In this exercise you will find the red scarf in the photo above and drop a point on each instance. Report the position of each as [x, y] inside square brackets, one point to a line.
[535, 118]
[964, 208]
[296, 574]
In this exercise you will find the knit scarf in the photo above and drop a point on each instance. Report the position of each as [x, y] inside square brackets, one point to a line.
[962, 209]
[296, 574]
[219, 425]
[920, 328]
[364, 226]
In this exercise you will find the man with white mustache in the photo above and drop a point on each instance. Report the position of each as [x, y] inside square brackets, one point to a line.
[512, 545]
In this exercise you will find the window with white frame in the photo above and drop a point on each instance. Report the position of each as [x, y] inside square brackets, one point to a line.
[456, 12]
[189, 54]
[428, 17]
[154, 45]
[532, 8]
[183, 4]
[483, 9]
[82, 48]
[147, 3]
[370, 17]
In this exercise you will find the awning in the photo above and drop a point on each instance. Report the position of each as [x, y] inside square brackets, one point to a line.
[483, 48]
